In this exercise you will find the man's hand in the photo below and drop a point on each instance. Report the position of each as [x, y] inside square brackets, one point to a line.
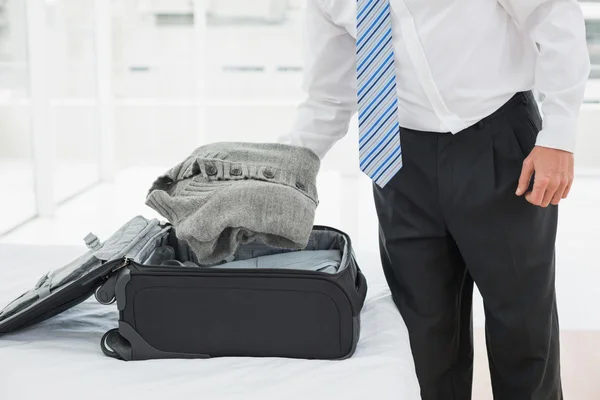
[553, 176]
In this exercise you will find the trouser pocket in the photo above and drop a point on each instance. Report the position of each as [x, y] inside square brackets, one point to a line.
[525, 124]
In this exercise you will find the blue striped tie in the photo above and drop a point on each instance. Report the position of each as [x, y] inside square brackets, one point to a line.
[379, 130]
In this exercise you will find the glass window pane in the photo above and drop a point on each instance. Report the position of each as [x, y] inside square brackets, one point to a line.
[593, 39]
[154, 81]
[153, 135]
[254, 49]
[77, 151]
[153, 45]
[72, 92]
[16, 164]
[252, 123]
[71, 43]
[14, 80]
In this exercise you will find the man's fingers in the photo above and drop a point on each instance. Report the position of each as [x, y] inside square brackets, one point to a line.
[561, 190]
[554, 185]
[557, 197]
[567, 190]
[540, 184]
[525, 177]
[552, 173]
[549, 196]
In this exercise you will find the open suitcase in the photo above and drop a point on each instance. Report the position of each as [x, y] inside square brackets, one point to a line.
[183, 311]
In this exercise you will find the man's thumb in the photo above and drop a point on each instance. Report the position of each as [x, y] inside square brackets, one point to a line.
[525, 178]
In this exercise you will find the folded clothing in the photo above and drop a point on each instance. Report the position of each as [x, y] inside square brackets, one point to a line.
[327, 261]
[309, 260]
[230, 193]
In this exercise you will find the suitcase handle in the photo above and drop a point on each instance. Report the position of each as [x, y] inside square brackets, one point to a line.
[361, 288]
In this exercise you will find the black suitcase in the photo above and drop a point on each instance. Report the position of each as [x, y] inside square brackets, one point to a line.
[202, 312]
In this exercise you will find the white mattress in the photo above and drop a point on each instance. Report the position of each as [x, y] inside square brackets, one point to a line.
[61, 358]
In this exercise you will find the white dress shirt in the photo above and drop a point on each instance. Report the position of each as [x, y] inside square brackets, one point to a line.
[457, 61]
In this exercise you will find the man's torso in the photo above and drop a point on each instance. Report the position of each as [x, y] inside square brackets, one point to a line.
[457, 61]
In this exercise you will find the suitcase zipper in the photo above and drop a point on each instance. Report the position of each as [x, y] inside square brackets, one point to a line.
[109, 268]
[216, 271]
[126, 262]
[140, 268]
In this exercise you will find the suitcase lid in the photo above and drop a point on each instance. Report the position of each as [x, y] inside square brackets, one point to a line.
[70, 285]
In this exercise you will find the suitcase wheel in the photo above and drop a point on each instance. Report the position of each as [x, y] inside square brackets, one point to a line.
[102, 297]
[111, 337]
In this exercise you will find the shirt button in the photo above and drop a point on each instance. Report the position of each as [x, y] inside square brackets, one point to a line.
[211, 170]
[236, 171]
[269, 174]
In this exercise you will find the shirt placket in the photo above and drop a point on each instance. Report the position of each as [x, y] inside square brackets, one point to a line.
[417, 56]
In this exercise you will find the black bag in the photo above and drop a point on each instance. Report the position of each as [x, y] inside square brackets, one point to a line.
[169, 311]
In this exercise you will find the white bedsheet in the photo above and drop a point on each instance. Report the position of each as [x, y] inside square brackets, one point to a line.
[61, 358]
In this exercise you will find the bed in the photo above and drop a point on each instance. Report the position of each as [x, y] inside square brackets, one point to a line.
[61, 357]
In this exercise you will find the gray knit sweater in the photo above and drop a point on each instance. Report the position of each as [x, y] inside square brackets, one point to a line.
[229, 193]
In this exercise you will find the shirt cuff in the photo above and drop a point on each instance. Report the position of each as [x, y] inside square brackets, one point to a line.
[558, 132]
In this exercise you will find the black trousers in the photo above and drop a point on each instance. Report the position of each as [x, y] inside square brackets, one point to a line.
[450, 218]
